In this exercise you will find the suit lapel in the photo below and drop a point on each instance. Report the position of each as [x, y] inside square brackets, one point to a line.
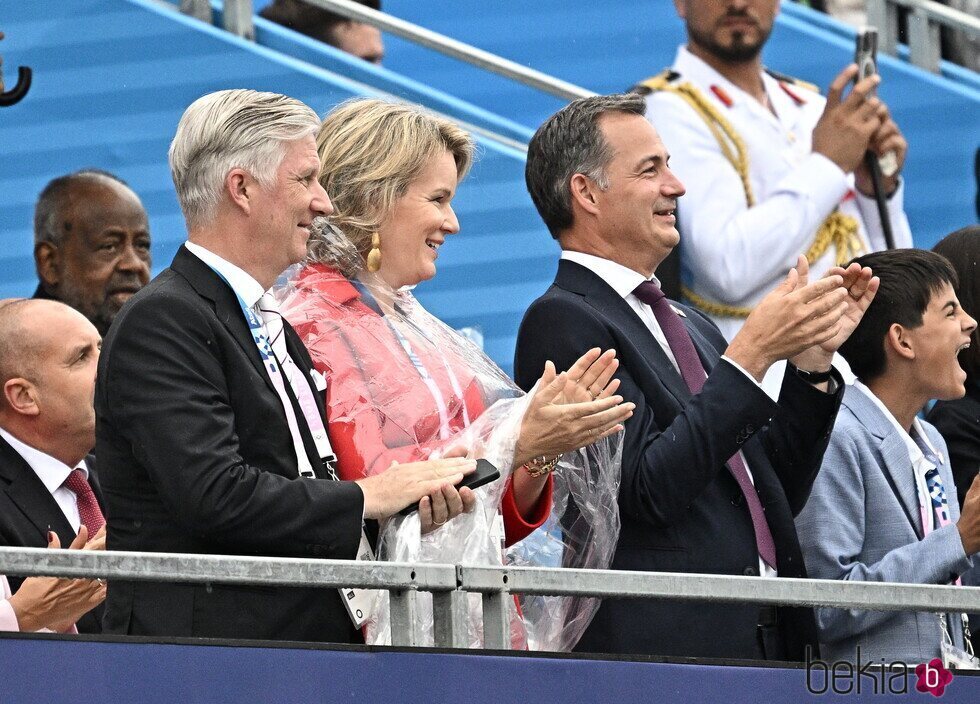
[894, 452]
[209, 285]
[30, 495]
[227, 308]
[597, 293]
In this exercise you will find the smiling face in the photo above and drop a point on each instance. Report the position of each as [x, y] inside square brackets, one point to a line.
[286, 209]
[936, 344]
[418, 224]
[637, 211]
[104, 254]
[731, 30]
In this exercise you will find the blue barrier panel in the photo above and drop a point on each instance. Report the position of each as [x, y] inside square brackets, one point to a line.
[54, 670]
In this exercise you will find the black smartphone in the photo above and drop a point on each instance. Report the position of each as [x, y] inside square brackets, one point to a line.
[484, 473]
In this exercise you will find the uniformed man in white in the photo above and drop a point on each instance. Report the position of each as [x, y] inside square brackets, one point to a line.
[772, 169]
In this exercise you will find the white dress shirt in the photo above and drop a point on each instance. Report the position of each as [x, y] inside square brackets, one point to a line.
[52, 474]
[734, 254]
[624, 281]
[249, 290]
[241, 282]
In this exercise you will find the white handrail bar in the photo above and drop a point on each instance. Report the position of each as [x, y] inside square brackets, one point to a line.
[437, 42]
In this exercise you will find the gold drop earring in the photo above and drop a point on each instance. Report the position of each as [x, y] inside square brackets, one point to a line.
[374, 256]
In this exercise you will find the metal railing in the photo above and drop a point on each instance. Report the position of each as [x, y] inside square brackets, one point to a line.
[449, 585]
[924, 21]
[237, 19]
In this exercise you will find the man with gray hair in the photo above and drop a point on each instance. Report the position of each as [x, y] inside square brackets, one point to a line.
[91, 244]
[713, 470]
[211, 435]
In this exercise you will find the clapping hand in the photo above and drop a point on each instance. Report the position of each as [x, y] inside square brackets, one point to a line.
[861, 286]
[49, 602]
[792, 319]
[590, 378]
[572, 409]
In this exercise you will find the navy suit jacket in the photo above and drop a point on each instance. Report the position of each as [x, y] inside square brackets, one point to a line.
[28, 512]
[196, 456]
[681, 510]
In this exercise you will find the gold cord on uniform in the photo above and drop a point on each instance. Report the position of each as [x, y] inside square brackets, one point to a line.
[838, 230]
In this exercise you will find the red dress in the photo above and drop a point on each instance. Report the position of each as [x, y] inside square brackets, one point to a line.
[379, 407]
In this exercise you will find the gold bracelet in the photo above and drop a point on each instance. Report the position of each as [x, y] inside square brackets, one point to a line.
[540, 466]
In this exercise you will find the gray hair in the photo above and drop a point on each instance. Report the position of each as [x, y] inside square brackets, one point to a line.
[568, 143]
[54, 198]
[231, 129]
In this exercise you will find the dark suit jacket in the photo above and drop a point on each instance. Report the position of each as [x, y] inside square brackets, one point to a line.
[28, 511]
[681, 509]
[195, 456]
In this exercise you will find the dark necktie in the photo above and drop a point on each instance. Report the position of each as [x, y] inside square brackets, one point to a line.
[694, 376]
[88, 507]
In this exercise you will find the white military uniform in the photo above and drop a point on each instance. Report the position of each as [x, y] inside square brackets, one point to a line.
[733, 254]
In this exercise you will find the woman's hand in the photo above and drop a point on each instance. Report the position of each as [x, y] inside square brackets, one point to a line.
[559, 418]
[444, 504]
[590, 377]
[439, 507]
[48, 602]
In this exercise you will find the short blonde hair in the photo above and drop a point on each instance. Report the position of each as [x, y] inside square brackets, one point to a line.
[232, 129]
[370, 152]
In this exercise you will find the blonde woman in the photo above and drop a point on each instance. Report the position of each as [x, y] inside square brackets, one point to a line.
[401, 385]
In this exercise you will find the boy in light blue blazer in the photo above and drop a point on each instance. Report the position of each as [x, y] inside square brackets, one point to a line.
[883, 507]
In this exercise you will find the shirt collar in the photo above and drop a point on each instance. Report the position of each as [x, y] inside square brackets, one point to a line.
[694, 69]
[915, 452]
[241, 282]
[700, 73]
[623, 280]
[50, 471]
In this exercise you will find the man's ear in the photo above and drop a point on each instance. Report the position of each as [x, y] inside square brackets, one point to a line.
[47, 261]
[240, 187]
[584, 191]
[21, 395]
[900, 342]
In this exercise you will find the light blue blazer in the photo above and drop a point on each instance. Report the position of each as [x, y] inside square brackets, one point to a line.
[857, 525]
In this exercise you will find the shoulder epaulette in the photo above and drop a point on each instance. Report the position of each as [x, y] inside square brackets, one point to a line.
[783, 78]
[655, 83]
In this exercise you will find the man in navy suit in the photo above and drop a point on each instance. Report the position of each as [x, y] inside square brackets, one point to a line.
[713, 470]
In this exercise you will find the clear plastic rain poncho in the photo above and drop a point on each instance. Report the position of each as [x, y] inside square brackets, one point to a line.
[403, 387]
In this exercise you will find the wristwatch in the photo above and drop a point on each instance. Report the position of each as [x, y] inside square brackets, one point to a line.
[813, 377]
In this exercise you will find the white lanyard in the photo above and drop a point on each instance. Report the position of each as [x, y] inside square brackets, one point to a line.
[445, 429]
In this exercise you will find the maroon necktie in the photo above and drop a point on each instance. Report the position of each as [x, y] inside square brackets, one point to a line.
[694, 376]
[88, 507]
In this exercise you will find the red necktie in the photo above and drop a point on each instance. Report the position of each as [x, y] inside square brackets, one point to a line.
[88, 507]
[694, 376]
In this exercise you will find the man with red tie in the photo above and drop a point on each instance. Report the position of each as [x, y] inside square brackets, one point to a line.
[713, 469]
[48, 358]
